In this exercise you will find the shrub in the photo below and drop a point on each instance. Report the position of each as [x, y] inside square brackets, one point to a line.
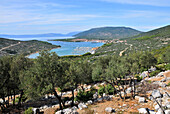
[109, 89]
[168, 84]
[101, 90]
[167, 67]
[154, 73]
[84, 95]
[139, 78]
[28, 111]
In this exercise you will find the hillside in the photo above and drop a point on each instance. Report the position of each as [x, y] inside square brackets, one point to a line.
[108, 33]
[12, 47]
[150, 40]
[163, 32]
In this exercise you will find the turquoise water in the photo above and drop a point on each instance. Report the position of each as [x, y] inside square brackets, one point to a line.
[71, 48]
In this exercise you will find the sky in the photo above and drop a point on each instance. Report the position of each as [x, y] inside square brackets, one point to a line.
[64, 16]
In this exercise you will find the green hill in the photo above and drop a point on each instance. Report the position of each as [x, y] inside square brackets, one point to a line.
[12, 47]
[108, 33]
[163, 32]
[154, 39]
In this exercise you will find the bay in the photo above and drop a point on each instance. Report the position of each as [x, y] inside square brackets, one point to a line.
[71, 48]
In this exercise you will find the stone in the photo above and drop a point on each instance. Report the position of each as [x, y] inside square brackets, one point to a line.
[82, 106]
[141, 100]
[156, 94]
[99, 99]
[89, 102]
[74, 108]
[124, 105]
[67, 111]
[128, 90]
[142, 110]
[168, 106]
[157, 107]
[167, 111]
[59, 112]
[159, 112]
[35, 110]
[164, 79]
[160, 74]
[109, 109]
[137, 97]
[106, 98]
[95, 96]
[144, 74]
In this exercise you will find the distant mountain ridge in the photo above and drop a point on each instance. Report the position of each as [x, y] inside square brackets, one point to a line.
[108, 33]
[39, 35]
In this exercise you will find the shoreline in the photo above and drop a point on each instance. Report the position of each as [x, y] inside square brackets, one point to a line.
[39, 51]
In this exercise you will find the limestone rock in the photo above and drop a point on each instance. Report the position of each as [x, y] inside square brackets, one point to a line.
[109, 109]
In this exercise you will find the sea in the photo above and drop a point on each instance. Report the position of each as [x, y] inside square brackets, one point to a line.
[67, 48]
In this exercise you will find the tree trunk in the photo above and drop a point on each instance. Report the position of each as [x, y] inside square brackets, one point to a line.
[19, 102]
[134, 91]
[14, 98]
[72, 104]
[59, 99]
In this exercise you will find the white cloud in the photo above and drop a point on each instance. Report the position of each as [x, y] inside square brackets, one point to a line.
[142, 2]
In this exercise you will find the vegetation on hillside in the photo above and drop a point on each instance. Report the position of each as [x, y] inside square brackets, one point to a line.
[23, 47]
[108, 33]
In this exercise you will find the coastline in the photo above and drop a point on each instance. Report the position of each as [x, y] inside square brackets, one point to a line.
[41, 50]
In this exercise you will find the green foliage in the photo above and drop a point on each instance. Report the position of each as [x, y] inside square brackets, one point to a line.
[146, 37]
[28, 111]
[168, 84]
[84, 95]
[154, 73]
[101, 90]
[160, 67]
[108, 33]
[106, 45]
[24, 47]
[167, 67]
[88, 53]
[138, 77]
[109, 89]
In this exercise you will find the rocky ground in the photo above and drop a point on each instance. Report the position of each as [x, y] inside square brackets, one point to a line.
[143, 103]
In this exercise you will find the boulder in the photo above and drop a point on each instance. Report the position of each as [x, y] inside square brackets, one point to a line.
[109, 109]
[141, 99]
[156, 93]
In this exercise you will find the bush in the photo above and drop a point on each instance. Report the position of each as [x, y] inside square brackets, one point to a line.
[161, 67]
[167, 67]
[101, 90]
[168, 84]
[84, 95]
[109, 89]
[138, 77]
[28, 111]
[154, 73]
